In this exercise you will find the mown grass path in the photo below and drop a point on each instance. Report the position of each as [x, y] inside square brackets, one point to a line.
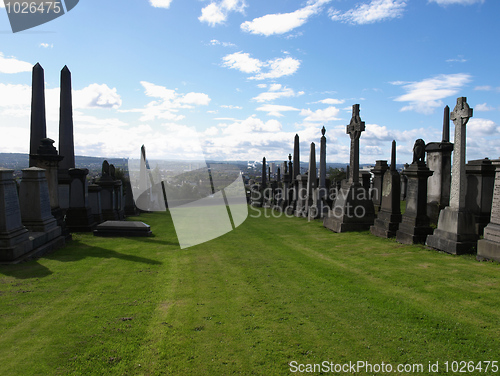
[274, 290]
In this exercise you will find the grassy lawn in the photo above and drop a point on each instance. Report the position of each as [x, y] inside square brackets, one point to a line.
[274, 290]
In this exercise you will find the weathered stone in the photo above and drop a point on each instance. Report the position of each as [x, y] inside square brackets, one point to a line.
[489, 246]
[79, 216]
[320, 208]
[38, 127]
[95, 202]
[480, 183]
[415, 224]
[378, 175]
[389, 217]
[66, 141]
[455, 232]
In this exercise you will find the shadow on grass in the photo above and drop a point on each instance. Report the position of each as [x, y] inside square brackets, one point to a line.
[78, 251]
[26, 270]
[153, 240]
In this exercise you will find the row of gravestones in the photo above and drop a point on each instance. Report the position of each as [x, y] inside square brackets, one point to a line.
[464, 202]
[54, 196]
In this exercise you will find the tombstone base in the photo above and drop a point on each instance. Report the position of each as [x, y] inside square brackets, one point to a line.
[352, 211]
[80, 220]
[14, 244]
[123, 228]
[40, 244]
[386, 225]
[455, 233]
[433, 210]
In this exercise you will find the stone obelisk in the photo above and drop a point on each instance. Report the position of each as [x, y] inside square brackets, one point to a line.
[38, 127]
[66, 142]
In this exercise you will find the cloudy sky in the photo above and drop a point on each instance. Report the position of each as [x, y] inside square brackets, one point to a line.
[237, 79]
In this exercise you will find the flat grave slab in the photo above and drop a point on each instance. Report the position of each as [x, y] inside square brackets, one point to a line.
[123, 229]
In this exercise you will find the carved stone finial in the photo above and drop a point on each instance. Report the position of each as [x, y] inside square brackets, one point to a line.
[323, 130]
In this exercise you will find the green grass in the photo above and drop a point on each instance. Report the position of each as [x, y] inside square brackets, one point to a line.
[272, 291]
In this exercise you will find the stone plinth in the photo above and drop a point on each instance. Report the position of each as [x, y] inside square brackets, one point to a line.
[378, 175]
[123, 229]
[301, 196]
[415, 224]
[364, 178]
[489, 246]
[79, 215]
[95, 202]
[352, 210]
[14, 238]
[480, 182]
[438, 185]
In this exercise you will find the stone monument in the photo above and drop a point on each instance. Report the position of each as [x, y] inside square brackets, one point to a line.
[378, 176]
[353, 209]
[455, 231]
[38, 127]
[439, 161]
[320, 208]
[489, 246]
[79, 215]
[389, 217]
[415, 225]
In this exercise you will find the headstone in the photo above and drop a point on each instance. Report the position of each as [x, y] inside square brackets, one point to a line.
[95, 202]
[38, 127]
[79, 216]
[118, 187]
[404, 182]
[415, 225]
[353, 209]
[130, 208]
[311, 180]
[294, 186]
[320, 208]
[378, 176]
[389, 217]
[14, 238]
[36, 215]
[480, 183]
[489, 246]
[301, 195]
[439, 161]
[108, 198]
[455, 231]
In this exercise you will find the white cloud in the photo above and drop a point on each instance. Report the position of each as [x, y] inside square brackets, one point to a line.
[276, 68]
[46, 45]
[481, 127]
[459, 59]
[276, 110]
[243, 62]
[169, 103]
[160, 3]
[425, 96]
[331, 101]
[217, 12]
[252, 124]
[367, 13]
[281, 23]
[215, 42]
[450, 2]
[276, 91]
[12, 65]
[231, 107]
[96, 96]
[483, 107]
[377, 133]
[323, 115]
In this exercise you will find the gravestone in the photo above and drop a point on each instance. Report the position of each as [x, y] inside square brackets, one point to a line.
[439, 161]
[389, 217]
[108, 198]
[123, 229]
[118, 187]
[353, 209]
[36, 215]
[378, 176]
[489, 246]
[14, 238]
[301, 195]
[66, 141]
[415, 224]
[320, 208]
[455, 231]
[130, 208]
[294, 185]
[365, 177]
[311, 181]
[79, 215]
[38, 127]
[404, 182]
[95, 202]
[480, 183]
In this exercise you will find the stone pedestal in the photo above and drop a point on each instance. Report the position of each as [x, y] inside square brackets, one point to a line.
[404, 182]
[118, 187]
[378, 175]
[95, 202]
[480, 182]
[130, 208]
[438, 185]
[489, 246]
[79, 215]
[415, 224]
[14, 238]
[300, 208]
[364, 178]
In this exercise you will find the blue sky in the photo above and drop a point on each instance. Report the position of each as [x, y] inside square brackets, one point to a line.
[236, 79]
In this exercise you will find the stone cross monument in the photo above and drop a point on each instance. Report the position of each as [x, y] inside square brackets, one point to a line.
[354, 129]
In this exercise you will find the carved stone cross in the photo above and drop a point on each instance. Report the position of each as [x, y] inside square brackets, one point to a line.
[354, 129]
[460, 116]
